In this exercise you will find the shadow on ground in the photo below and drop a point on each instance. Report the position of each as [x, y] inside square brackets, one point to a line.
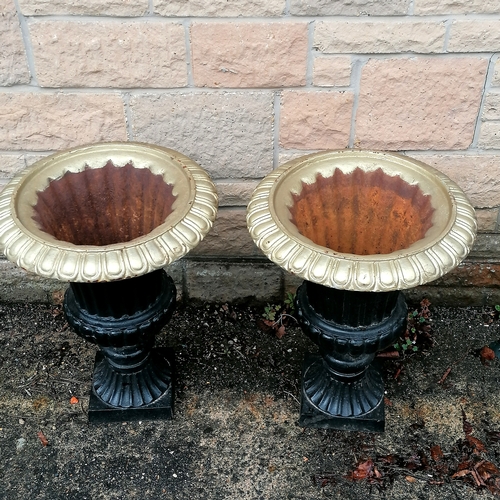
[235, 432]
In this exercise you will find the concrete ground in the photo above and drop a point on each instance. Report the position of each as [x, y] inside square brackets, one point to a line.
[235, 432]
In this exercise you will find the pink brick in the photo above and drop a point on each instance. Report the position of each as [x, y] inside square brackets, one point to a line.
[389, 36]
[39, 122]
[315, 120]
[219, 8]
[477, 35]
[419, 103]
[477, 175]
[332, 71]
[13, 64]
[249, 54]
[456, 7]
[87, 7]
[109, 54]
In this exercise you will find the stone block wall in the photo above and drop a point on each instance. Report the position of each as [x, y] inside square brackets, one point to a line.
[244, 85]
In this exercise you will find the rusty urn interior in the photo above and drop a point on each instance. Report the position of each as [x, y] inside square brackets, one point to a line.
[362, 213]
[106, 212]
[104, 206]
[361, 220]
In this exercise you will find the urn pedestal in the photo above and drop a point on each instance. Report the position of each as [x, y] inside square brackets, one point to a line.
[107, 218]
[359, 227]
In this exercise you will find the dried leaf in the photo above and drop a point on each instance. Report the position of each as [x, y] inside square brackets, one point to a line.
[410, 479]
[436, 453]
[362, 471]
[388, 355]
[445, 375]
[467, 427]
[461, 473]
[476, 443]
[42, 438]
[387, 401]
[486, 355]
[486, 467]
[265, 325]
[280, 332]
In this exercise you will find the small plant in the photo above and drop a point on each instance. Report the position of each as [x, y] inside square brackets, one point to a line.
[276, 316]
[270, 312]
[289, 302]
[404, 346]
[417, 336]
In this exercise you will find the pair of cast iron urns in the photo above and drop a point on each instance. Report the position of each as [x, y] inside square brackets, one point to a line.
[358, 226]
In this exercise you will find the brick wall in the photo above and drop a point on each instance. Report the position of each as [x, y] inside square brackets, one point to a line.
[243, 85]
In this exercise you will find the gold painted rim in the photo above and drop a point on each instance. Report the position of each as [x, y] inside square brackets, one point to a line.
[444, 246]
[25, 244]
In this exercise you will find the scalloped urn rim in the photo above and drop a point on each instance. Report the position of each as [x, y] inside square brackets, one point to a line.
[24, 243]
[443, 247]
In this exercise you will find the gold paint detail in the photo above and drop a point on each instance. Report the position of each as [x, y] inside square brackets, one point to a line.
[173, 205]
[362, 220]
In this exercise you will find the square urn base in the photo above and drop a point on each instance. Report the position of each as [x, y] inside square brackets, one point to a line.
[160, 409]
[312, 416]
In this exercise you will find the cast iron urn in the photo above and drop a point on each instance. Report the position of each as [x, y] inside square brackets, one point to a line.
[107, 218]
[359, 227]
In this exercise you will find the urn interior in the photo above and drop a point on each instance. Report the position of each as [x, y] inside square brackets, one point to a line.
[106, 212]
[361, 220]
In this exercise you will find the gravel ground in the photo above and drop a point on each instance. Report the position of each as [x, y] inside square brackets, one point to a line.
[235, 432]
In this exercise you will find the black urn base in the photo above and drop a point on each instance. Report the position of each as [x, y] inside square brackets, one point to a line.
[312, 416]
[161, 408]
[132, 380]
[342, 386]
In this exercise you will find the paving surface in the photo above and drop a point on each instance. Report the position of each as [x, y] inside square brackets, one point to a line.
[235, 432]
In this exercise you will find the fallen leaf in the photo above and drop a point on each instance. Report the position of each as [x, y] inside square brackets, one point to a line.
[361, 471]
[445, 375]
[280, 332]
[486, 467]
[42, 438]
[387, 401]
[436, 453]
[73, 401]
[461, 473]
[388, 355]
[265, 325]
[467, 427]
[477, 444]
[486, 354]
[410, 479]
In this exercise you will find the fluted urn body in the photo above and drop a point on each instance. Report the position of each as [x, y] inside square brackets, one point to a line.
[359, 227]
[108, 218]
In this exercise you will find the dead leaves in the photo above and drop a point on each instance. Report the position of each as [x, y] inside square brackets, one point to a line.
[465, 462]
[366, 471]
[42, 438]
[486, 355]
